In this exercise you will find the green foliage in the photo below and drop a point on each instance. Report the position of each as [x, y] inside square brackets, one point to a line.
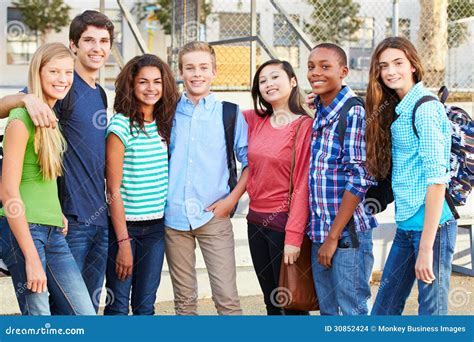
[458, 33]
[43, 16]
[164, 14]
[333, 20]
[165, 11]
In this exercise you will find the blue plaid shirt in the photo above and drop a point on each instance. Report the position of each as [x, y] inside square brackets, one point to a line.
[333, 169]
[418, 162]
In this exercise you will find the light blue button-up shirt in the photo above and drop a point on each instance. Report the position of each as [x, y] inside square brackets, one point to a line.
[198, 173]
[418, 162]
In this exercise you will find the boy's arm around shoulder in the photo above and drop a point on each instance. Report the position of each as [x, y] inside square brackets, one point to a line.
[40, 113]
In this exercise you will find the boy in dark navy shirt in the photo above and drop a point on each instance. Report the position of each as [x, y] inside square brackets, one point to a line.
[83, 187]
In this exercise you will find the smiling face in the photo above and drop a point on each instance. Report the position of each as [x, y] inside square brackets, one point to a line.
[148, 88]
[325, 74]
[93, 48]
[396, 71]
[198, 72]
[56, 78]
[275, 86]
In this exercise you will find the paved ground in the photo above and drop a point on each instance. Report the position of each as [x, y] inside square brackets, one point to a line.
[461, 301]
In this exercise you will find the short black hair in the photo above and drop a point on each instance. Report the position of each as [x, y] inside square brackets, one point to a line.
[337, 49]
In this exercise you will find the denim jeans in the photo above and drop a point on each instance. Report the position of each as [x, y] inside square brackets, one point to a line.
[64, 281]
[344, 288]
[399, 273]
[148, 249]
[89, 244]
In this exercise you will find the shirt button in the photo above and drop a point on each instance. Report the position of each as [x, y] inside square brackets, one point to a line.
[192, 138]
[190, 160]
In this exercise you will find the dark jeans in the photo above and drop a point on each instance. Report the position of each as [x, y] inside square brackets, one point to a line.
[66, 288]
[266, 248]
[148, 250]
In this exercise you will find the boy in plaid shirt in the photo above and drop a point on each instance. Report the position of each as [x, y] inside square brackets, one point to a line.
[341, 230]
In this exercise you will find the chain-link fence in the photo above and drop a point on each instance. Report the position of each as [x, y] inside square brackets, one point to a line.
[442, 31]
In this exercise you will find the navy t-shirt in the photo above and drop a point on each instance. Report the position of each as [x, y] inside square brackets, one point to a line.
[84, 160]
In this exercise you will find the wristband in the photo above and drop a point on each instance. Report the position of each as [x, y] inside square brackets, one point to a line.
[123, 240]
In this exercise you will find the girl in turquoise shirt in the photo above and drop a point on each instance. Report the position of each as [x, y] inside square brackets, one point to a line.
[423, 246]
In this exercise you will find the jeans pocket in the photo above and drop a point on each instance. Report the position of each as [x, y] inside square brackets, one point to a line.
[451, 231]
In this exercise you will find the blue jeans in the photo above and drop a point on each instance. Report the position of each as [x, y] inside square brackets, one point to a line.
[399, 273]
[89, 245]
[344, 288]
[65, 284]
[148, 249]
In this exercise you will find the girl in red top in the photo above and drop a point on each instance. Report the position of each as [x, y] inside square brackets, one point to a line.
[278, 128]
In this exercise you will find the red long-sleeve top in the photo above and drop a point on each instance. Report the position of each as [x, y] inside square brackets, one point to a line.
[269, 161]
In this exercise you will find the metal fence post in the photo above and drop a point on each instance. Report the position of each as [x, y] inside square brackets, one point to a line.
[253, 33]
[395, 17]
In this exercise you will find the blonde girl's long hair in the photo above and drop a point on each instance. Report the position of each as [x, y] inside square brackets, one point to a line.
[48, 142]
[380, 106]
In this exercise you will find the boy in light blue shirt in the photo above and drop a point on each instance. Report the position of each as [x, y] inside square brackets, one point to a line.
[199, 200]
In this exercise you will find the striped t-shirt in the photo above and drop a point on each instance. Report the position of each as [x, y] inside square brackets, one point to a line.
[145, 169]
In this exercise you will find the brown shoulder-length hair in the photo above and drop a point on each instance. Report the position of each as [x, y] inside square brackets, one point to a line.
[295, 102]
[380, 106]
[127, 104]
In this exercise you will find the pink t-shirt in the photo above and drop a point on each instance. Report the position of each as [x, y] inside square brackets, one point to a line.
[269, 161]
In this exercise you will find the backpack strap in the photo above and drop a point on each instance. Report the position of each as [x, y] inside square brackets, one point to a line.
[424, 99]
[342, 124]
[341, 129]
[67, 104]
[443, 94]
[229, 117]
[103, 95]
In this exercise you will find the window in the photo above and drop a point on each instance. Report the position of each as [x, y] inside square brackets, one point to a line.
[285, 40]
[21, 41]
[403, 28]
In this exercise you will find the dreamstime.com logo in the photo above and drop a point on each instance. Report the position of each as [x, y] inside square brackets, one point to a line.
[459, 297]
[281, 297]
[46, 330]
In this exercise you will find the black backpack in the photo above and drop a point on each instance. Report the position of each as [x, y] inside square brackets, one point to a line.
[378, 196]
[229, 117]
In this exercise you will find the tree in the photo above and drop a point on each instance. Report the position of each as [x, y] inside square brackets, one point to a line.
[164, 11]
[333, 20]
[458, 33]
[44, 16]
[433, 40]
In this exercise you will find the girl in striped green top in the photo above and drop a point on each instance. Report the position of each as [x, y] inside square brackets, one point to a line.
[137, 182]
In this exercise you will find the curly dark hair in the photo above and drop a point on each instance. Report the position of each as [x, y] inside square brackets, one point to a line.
[127, 104]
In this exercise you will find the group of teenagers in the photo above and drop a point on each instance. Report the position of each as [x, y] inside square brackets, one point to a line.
[156, 179]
